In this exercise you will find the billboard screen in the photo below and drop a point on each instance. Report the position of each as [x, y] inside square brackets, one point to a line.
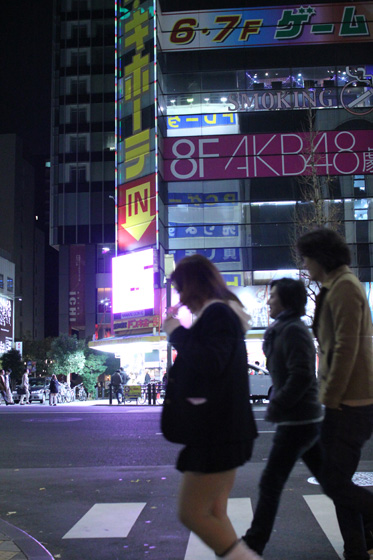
[6, 324]
[133, 282]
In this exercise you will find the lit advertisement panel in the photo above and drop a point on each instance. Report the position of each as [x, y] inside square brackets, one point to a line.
[240, 156]
[133, 282]
[266, 26]
[137, 226]
[6, 324]
[136, 140]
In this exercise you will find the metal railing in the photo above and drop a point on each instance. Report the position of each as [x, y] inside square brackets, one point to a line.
[148, 394]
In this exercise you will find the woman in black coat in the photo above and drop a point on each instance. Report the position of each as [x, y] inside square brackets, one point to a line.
[214, 418]
[53, 391]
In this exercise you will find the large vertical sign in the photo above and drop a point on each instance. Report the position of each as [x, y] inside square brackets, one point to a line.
[6, 324]
[77, 288]
[136, 139]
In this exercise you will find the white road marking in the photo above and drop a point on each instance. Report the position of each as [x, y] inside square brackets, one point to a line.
[323, 510]
[105, 521]
[241, 514]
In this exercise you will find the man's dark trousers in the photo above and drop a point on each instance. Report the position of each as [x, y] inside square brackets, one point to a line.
[290, 443]
[343, 434]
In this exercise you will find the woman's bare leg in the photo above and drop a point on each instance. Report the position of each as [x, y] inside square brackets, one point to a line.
[203, 503]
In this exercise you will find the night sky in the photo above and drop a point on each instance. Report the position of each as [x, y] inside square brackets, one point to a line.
[25, 66]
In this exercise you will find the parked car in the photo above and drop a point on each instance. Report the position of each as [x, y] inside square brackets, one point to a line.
[259, 382]
[39, 390]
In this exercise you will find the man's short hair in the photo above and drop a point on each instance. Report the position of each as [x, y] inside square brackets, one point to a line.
[326, 247]
[292, 294]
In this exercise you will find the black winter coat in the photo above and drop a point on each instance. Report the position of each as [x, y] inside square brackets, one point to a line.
[53, 386]
[211, 364]
[290, 353]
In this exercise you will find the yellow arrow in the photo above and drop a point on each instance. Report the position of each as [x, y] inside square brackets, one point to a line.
[138, 210]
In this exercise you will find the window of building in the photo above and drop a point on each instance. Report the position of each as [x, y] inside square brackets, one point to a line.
[105, 254]
[104, 300]
[109, 141]
[1, 281]
[359, 182]
[78, 86]
[79, 58]
[78, 115]
[79, 31]
[79, 5]
[361, 209]
[9, 284]
[78, 144]
[78, 174]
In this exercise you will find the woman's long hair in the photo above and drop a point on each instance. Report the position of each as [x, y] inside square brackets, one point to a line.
[200, 280]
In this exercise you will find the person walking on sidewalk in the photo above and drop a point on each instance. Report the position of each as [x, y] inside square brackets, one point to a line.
[25, 385]
[209, 381]
[293, 406]
[3, 387]
[53, 391]
[343, 327]
[8, 389]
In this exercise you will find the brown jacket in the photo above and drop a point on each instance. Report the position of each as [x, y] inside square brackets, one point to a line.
[343, 326]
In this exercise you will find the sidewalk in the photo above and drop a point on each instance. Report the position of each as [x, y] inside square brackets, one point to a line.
[15, 544]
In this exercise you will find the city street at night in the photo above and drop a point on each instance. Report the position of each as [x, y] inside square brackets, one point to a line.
[98, 482]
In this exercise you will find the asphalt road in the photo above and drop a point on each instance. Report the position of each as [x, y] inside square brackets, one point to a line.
[99, 483]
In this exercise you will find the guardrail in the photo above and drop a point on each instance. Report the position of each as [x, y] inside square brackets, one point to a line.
[148, 394]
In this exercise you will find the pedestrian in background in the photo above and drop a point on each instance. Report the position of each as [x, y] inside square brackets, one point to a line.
[213, 410]
[8, 389]
[3, 386]
[25, 386]
[343, 328]
[117, 385]
[53, 390]
[293, 407]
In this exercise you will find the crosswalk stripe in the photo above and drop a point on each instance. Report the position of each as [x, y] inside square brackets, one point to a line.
[240, 513]
[323, 509]
[105, 521]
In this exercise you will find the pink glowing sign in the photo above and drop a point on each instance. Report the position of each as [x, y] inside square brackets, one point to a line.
[133, 282]
[239, 156]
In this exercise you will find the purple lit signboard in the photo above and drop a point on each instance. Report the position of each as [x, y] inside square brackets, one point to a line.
[133, 282]
[267, 155]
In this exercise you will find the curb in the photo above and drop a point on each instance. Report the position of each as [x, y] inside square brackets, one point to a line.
[30, 547]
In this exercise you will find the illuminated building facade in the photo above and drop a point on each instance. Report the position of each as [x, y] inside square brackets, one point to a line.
[222, 113]
[222, 116]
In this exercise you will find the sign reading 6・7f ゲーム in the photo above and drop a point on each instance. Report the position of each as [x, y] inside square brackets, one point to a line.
[270, 26]
[268, 155]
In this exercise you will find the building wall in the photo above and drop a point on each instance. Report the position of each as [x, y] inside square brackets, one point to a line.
[20, 238]
[82, 164]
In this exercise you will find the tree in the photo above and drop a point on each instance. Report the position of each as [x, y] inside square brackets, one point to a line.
[67, 354]
[12, 360]
[36, 351]
[316, 207]
[95, 364]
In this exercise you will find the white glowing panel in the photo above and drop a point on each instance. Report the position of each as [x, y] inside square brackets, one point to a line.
[133, 282]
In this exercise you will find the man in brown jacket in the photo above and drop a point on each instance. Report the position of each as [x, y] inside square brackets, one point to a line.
[343, 327]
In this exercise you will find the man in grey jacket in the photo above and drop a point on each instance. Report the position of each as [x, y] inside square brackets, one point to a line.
[293, 406]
